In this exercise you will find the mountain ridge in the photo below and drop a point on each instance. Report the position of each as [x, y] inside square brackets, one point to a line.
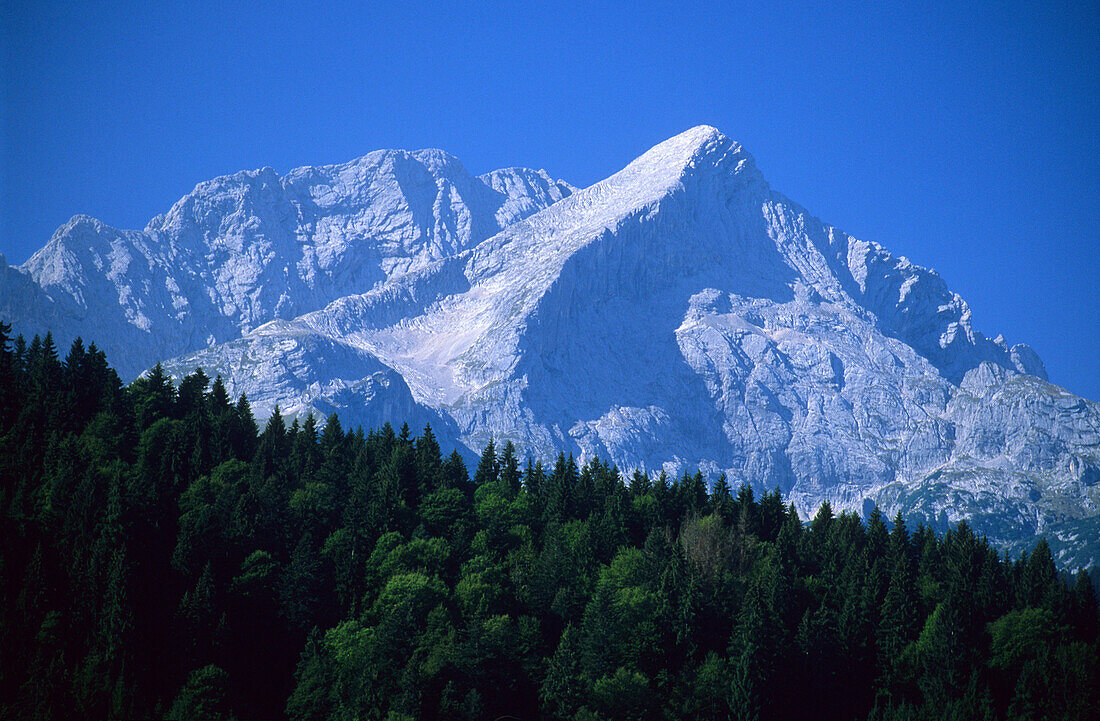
[245, 248]
[682, 314]
[778, 350]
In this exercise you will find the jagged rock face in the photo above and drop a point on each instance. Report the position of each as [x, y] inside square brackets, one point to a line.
[248, 248]
[304, 372]
[682, 314]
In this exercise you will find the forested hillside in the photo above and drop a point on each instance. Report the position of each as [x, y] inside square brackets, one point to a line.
[160, 556]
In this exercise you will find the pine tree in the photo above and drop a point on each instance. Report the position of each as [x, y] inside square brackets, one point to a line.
[1039, 581]
[1084, 612]
[940, 654]
[488, 469]
[455, 474]
[155, 397]
[562, 691]
[560, 488]
[202, 697]
[721, 500]
[534, 480]
[509, 468]
[897, 625]
[429, 460]
[243, 430]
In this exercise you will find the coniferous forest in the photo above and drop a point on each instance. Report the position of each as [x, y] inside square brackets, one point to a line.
[163, 557]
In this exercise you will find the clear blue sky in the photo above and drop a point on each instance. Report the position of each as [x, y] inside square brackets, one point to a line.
[966, 138]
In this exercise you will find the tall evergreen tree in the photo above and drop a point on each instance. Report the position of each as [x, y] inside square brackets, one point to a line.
[488, 469]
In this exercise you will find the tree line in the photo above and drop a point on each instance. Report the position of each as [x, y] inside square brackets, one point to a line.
[163, 557]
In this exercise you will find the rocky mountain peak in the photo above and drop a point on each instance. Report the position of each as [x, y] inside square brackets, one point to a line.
[679, 314]
[243, 249]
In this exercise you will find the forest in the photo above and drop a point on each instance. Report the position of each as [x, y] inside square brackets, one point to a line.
[161, 556]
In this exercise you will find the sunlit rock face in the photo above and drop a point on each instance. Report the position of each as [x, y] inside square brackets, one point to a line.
[678, 315]
[245, 249]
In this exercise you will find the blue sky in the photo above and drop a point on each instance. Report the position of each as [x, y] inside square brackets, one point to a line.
[965, 137]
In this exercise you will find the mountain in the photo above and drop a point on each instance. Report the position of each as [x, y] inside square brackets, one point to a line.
[681, 314]
[244, 249]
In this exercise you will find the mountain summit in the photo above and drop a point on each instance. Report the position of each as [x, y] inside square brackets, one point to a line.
[244, 249]
[679, 314]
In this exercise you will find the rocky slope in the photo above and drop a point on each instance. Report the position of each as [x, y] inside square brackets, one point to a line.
[248, 248]
[679, 314]
[682, 314]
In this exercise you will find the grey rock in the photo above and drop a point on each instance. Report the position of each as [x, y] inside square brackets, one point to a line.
[680, 314]
[244, 249]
